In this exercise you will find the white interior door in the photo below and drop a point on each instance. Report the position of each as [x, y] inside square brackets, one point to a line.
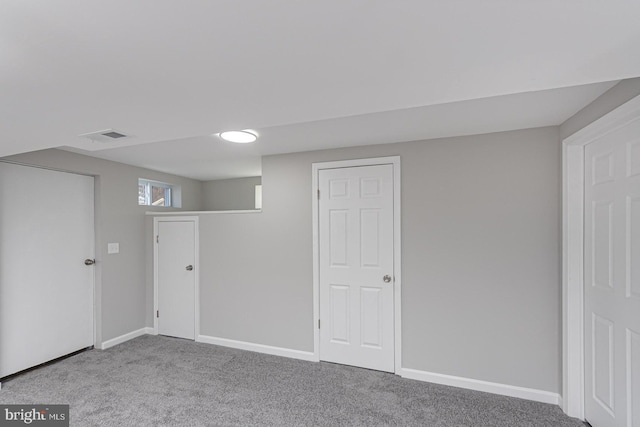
[176, 266]
[46, 290]
[612, 279]
[356, 266]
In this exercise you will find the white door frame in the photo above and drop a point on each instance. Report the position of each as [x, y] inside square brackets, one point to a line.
[397, 264]
[572, 251]
[196, 284]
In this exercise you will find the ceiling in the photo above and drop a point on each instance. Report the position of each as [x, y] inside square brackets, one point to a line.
[305, 75]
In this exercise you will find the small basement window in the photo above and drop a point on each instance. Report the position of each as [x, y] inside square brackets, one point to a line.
[154, 193]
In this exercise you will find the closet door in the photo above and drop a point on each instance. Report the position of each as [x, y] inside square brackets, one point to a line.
[46, 288]
[356, 266]
[612, 278]
[176, 277]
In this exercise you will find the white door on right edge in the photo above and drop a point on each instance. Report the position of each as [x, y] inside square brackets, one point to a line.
[612, 278]
[356, 266]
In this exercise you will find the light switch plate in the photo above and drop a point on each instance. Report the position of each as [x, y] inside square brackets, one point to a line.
[113, 248]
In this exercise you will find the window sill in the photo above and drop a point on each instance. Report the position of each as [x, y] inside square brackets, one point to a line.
[248, 211]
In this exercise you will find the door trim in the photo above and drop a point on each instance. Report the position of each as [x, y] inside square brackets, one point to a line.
[196, 284]
[397, 264]
[573, 390]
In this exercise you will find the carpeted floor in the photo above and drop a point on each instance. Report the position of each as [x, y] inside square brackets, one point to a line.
[160, 381]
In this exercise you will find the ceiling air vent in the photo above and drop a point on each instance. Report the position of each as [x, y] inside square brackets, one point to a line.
[107, 135]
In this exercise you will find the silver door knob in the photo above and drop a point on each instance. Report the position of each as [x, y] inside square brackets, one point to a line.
[189, 267]
[386, 278]
[89, 261]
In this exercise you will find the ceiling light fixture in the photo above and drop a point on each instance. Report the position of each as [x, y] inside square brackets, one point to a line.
[239, 136]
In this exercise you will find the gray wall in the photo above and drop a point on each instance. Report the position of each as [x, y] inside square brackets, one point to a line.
[480, 246]
[122, 280]
[229, 194]
[605, 103]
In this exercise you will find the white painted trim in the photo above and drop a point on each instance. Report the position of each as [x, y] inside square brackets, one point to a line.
[155, 275]
[97, 267]
[397, 264]
[258, 348]
[572, 280]
[572, 402]
[484, 386]
[316, 260]
[126, 337]
[196, 291]
[625, 114]
[97, 271]
[397, 245]
[249, 211]
[196, 294]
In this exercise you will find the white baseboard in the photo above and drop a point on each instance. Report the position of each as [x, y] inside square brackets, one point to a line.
[414, 374]
[126, 337]
[486, 386]
[259, 348]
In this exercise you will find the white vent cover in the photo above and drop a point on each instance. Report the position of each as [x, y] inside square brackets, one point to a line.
[107, 135]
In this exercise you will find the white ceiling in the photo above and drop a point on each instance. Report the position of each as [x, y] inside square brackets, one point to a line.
[306, 75]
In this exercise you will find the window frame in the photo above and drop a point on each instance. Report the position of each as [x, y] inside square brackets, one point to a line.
[148, 192]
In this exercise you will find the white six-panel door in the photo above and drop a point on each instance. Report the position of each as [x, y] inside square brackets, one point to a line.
[612, 279]
[46, 290]
[356, 266]
[176, 277]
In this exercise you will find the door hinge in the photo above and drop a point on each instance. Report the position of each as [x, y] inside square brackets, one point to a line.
[157, 238]
[318, 194]
[318, 323]
[158, 313]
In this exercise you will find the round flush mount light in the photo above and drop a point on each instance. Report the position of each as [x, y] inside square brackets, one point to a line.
[239, 136]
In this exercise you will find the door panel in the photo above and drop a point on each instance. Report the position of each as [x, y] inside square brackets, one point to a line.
[633, 378]
[340, 314]
[603, 380]
[176, 283]
[46, 290]
[370, 317]
[369, 235]
[338, 237]
[611, 273]
[601, 247]
[356, 252]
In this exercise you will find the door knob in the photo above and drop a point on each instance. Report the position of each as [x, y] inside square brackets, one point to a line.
[386, 278]
[189, 267]
[89, 261]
